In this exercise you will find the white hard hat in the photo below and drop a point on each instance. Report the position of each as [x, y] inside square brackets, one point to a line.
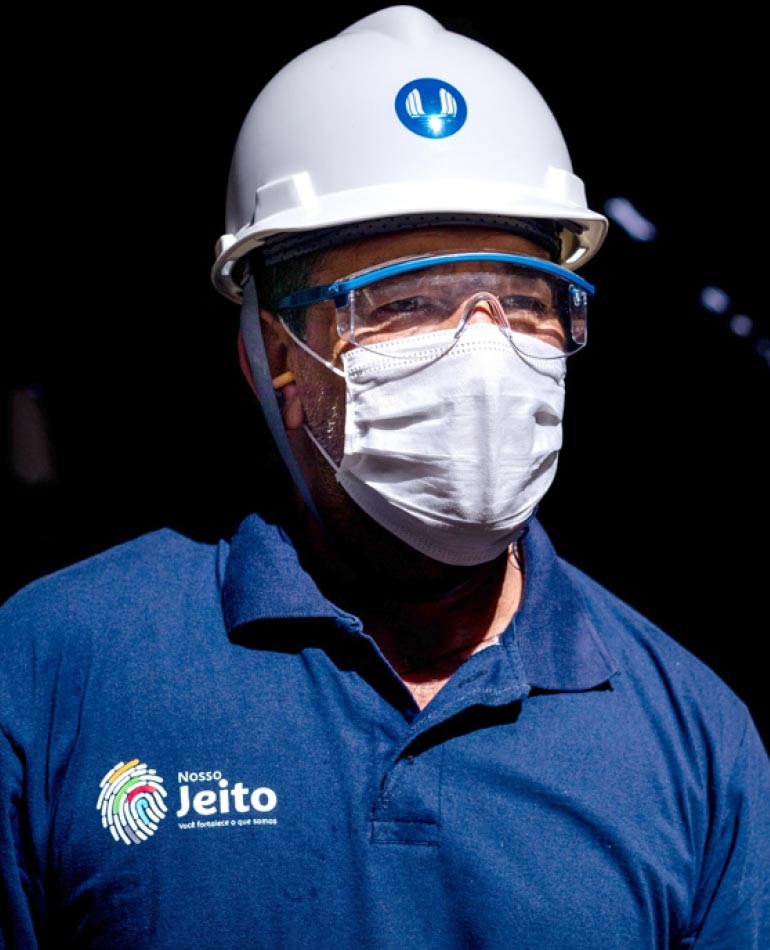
[398, 116]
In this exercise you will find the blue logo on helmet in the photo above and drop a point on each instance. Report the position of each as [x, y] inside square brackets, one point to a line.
[431, 108]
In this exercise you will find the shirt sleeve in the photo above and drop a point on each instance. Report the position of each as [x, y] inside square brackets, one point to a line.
[19, 882]
[21, 887]
[732, 910]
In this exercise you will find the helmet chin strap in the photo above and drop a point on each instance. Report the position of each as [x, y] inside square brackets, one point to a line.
[251, 328]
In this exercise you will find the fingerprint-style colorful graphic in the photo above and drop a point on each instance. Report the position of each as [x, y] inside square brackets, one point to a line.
[131, 801]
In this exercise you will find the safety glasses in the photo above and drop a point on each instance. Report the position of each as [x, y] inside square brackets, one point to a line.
[534, 302]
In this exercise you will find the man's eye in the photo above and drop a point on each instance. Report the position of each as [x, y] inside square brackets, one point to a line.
[522, 303]
[406, 308]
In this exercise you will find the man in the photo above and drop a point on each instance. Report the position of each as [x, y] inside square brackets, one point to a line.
[395, 718]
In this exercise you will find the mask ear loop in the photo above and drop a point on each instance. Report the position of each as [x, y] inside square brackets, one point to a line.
[251, 328]
[514, 554]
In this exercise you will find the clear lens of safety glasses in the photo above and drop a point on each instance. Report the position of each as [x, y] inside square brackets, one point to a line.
[534, 302]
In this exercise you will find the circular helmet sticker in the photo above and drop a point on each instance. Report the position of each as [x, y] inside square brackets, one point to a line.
[431, 108]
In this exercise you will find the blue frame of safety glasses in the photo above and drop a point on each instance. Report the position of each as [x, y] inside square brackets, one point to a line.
[339, 289]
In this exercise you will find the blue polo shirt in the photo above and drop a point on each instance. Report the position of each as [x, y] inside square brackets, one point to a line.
[199, 750]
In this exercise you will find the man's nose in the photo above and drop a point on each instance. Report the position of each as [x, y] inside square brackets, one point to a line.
[483, 309]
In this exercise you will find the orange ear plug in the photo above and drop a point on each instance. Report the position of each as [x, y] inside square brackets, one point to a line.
[283, 380]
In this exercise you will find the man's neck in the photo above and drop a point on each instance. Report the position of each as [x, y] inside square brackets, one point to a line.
[425, 630]
[427, 641]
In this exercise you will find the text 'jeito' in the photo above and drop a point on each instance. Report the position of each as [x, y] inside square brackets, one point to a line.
[223, 799]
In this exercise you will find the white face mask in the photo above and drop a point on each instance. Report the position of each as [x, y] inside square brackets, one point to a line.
[451, 455]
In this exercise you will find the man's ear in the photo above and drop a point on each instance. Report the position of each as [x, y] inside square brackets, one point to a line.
[275, 347]
[275, 339]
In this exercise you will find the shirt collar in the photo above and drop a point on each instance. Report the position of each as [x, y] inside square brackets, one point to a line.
[560, 646]
[264, 580]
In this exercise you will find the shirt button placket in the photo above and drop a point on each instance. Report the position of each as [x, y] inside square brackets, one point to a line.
[407, 808]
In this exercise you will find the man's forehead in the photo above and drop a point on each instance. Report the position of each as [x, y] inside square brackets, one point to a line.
[366, 252]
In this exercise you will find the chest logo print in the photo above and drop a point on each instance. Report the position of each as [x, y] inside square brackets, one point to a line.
[131, 801]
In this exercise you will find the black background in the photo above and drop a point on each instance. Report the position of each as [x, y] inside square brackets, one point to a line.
[121, 133]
